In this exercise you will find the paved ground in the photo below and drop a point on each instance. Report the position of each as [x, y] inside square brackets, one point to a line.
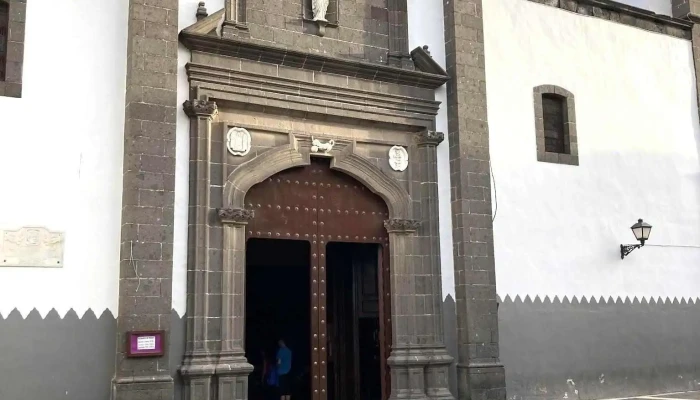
[666, 396]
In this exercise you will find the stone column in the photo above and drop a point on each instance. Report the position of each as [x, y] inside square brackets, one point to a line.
[236, 19]
[199, 365]
[398, 34]
[232, 369]
[480, 372]
[407, 361]
[145, 277]
[437, 381]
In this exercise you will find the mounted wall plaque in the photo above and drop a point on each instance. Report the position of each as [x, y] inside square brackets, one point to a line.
[31, 247]
[145, 344]
[238, 141]
[398, 158]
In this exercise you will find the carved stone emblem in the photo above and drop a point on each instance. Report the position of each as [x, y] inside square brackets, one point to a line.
[398, 158]
[31, 247]
[402, 225]
[319, 8]
[318, 146]
[238, 141]
[238, 215]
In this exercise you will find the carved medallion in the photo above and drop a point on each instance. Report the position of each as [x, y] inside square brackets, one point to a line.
[398, 158]
[238, 141]
[318, 146]
[31, 247]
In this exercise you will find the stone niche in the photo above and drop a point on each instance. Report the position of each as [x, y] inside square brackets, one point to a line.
[257, 109]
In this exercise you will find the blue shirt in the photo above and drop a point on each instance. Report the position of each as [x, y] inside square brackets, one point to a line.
[284, 359]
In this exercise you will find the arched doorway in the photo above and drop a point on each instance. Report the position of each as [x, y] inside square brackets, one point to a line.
[341, 223]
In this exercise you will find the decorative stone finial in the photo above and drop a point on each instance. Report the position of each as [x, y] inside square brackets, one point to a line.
[202, 11]
[425, 47]
[402, 225]
[200, 108]
[235, 215]
[429, 138]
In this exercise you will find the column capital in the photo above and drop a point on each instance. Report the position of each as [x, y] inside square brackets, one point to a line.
[396, 225]
[236, 216]
[200, 108]
[429, 138]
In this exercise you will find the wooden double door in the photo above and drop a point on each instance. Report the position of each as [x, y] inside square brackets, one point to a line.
[350, 304]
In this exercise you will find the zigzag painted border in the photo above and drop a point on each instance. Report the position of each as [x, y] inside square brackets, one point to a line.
[599, 300]
[71, 314]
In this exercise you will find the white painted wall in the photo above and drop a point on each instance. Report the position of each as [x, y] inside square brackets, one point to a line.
[61, 149]
[558, 228]
[657, 6]
[187, 17]
[433, 35]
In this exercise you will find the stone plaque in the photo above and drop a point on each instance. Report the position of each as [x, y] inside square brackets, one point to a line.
[238, 141]
[398, 158]
[31, 247]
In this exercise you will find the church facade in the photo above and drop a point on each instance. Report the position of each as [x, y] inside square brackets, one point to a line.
[424, 199]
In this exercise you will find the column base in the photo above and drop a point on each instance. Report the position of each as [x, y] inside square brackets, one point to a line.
[143, 387]
[437, 381]
[407, 366]
[232, 372]
[197, 371]
[482, 381]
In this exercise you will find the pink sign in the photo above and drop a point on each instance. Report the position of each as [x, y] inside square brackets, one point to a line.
[145, 344]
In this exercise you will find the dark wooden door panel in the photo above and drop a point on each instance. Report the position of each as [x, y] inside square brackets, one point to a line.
[319, 205]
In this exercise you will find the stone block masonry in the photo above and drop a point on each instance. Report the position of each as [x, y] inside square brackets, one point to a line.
[480, 373]
[145, 278]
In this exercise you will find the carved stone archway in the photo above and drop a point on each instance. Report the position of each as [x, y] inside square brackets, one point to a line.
[215, 365]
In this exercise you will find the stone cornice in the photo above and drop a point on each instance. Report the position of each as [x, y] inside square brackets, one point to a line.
[624, 14]
[401, 225]
[200, 108]
[235, 215]
[425, 62]
[278, 55]
[429, 138]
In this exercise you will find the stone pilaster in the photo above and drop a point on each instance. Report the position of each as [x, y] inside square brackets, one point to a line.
[236, 19]
[480, 372]
[232, 369]
[436, 374]
[199, 364]
[398, 34]
[145, 278]
[407, 361]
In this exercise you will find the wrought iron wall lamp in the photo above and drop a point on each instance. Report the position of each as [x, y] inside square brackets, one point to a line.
[641, 231]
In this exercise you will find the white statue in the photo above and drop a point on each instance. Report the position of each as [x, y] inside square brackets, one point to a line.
[319, 147]
[319, 8]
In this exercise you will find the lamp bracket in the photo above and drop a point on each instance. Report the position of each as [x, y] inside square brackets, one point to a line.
[626, 249]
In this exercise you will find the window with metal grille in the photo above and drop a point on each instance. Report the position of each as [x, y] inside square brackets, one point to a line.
[553, 115]
[4, 33]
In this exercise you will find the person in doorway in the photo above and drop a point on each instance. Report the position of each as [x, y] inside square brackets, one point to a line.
[284, 366]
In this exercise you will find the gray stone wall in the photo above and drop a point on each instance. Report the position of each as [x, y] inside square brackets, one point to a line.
[592, 349]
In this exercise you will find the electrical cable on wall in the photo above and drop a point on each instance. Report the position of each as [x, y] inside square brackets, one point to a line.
[133, 264]
[495, 193]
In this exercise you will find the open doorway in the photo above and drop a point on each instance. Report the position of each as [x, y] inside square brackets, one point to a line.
[355, 358]
[278, 307]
